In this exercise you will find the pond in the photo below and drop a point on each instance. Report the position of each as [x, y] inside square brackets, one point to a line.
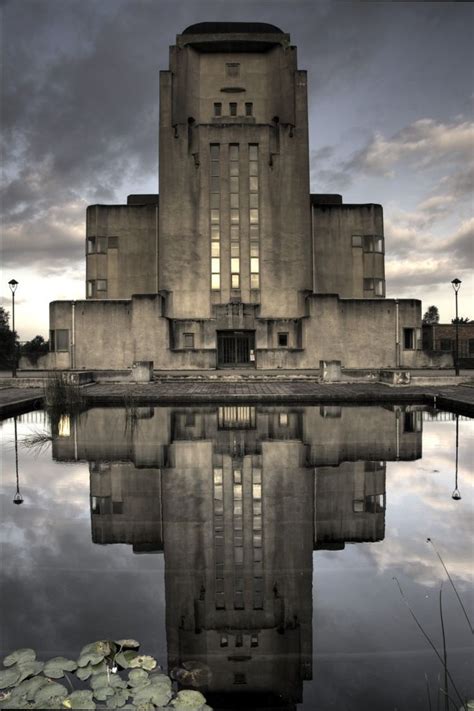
[271, 544]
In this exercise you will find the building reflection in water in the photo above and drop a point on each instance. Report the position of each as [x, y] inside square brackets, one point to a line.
[238, 498]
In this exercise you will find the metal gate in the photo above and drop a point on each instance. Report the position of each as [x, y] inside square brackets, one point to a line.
[235, 349]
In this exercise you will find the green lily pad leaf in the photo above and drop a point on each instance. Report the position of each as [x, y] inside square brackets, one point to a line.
[48, 693]
[188, 700]
[138, 677]
[101, 681]
[124, 658]
[27, 669]
[89, 658]
[79, 700]
[118, 700]
[84, 673]
[19, 655]
[29, 687]
[127, 643]
[103, 647]
[55, 668]
[143, 661]
[103, 692]
[153, 693]
[8, 677]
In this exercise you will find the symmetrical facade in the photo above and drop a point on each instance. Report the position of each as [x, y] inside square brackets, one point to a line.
[235, 263]
[238, 498]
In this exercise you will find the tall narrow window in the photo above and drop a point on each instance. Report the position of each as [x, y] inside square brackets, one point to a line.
[234, 195]
[218, 109]
[233, 108]
[254, 217]
[248, 109]
[215, 215]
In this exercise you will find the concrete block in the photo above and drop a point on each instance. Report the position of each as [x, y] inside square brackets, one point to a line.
[395, 377]
[142, 371]
[330, 371]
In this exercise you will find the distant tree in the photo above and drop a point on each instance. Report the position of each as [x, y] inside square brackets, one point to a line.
[460, 319]
[8, 340]
[431, 316]
[35, 348]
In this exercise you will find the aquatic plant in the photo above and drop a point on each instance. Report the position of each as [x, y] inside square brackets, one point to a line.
[118, 675]
[61, 396]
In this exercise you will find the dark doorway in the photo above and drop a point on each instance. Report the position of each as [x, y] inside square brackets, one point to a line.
[235, 349]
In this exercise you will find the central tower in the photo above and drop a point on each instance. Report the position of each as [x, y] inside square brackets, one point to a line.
[234, 173]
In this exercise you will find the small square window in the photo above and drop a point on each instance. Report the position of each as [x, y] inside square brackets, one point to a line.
[62, 339]
[357, 240]
[101, 284]
[283, 340]
[446, 344]
[112, 243]
[117, 507]
[232, 69]
[368, 284]
[217, 109]
[189, 340]
[409, 339]
[254, 281]
[248, 109]
[233, 108]
[358, 505]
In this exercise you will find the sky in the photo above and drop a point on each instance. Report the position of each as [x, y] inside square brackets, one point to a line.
[390, 110]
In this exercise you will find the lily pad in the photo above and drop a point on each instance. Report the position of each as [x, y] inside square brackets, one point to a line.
[28, 689]
[102, 680]
[55, 668]
[159, 695]
[8, 677]
[118, 700]
[138, 677]
[48, 693]
[89, 658]
[80, 700]
[124, 658]
[84, 673]
[27, 669]
[103, 647]
[143, 661]
[189, 700]
[19, 655]
[103, 692]
[127, 643]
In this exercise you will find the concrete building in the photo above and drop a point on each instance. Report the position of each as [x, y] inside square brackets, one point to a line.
[235, 263]
[238, 498]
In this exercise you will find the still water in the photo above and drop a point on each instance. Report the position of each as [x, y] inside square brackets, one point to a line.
[261, 541]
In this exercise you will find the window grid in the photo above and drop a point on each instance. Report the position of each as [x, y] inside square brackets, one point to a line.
[238, 534]
[234, 188]
[215, 216]
[218, 495]
[257, 539]
[254, 217]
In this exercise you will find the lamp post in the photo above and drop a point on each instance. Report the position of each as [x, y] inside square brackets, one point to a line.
[13, 284]
[18, 498]
[456, 495]
[456, 283]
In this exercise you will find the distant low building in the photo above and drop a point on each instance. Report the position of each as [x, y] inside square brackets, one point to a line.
[440, 338]
[235, 263]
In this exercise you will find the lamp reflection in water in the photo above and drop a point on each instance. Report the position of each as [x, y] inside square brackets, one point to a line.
[18, 498]
[456, 495]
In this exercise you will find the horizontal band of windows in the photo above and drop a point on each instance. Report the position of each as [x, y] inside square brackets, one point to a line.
[369, 243]
[375, 285]
[100, 245]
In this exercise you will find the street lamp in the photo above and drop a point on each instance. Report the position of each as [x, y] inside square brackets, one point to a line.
[13, 284]
[456, 283]
[18, 498]
[456, 495]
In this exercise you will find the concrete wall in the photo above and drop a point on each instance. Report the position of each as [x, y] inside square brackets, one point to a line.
[339, 267]
[130, 262]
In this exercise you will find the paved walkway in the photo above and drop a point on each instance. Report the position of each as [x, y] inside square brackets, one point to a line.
[459, 398]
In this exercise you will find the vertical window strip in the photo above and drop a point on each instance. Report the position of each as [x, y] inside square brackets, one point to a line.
[234, 190]
[257, 539]
[238, 534]
[218, 533]
[254, 217]
[215, 215]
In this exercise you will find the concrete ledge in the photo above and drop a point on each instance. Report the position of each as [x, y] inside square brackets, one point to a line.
[395, 377]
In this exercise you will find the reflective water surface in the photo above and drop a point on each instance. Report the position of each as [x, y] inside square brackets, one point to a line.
[261, 541]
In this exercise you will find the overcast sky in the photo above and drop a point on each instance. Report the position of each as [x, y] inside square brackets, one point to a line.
[391, 122]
